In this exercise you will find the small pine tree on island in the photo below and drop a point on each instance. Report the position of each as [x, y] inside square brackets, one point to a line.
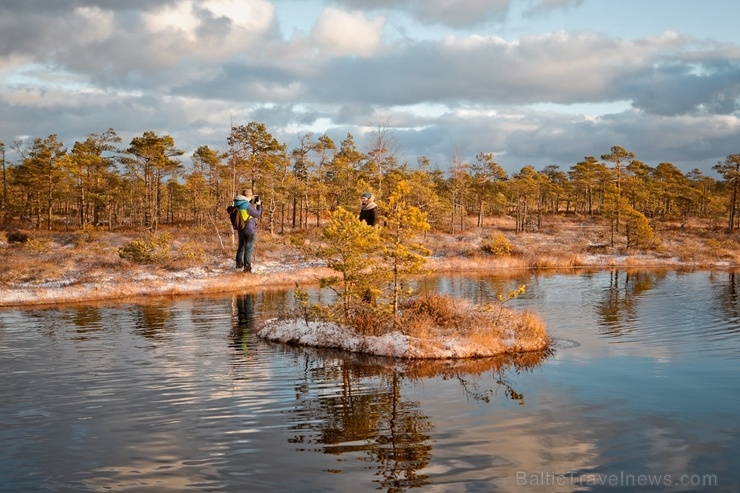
[374, 265]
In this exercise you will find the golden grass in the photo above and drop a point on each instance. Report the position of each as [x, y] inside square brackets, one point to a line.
[476, 263]
[494, 328]
[90, 256]
[441, 326]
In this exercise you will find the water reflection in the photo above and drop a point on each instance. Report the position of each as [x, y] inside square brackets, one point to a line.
[154, 322]
[478, 288]
[367, 419]
[181, 395]
[354, 406]
[617, 310]
[727, 296]
[87, 320]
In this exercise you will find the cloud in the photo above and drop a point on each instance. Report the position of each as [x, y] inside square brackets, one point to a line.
[544, 7]
[560, 67]
[530, 137]
[678, 88]
[459, 14]
[343, 33]
[128, 47]
[188, 67]
[452, 13]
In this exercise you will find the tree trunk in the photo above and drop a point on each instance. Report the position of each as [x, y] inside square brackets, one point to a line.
[480, 213]
[733, 205]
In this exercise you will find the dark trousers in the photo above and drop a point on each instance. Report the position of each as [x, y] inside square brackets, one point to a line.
[245, 249]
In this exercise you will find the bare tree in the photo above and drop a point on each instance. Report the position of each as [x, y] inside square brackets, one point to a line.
[382, 153]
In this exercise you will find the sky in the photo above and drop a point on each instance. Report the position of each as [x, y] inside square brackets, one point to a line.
[535, 82]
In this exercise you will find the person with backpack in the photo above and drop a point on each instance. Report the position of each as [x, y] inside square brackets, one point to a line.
[250, 208]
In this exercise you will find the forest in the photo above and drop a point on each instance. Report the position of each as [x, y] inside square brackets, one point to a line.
[106, 183]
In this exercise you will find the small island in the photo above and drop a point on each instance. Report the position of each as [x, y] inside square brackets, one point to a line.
[376, 312]
[439, 327]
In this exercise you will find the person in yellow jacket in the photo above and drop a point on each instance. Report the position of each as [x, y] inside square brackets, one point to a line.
[250, 208]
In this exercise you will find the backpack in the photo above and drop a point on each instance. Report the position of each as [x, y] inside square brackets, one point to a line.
[237, 221]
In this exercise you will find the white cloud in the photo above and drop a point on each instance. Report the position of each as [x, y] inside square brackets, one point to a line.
[235, 24]
[177, 17]
[527, 92]
[344, 33]
[255, 15]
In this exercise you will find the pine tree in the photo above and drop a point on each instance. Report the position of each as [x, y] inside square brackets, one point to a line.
[352, 249]
[404, 223]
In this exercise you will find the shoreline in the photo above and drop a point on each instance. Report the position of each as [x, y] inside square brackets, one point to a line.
[144, 284]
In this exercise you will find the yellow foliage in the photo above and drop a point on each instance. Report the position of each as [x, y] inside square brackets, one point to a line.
[499, 246]
[151, 249]
[38, 245]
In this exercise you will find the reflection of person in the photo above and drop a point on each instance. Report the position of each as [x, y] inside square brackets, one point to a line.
[244, 320]
[369, 209]
[245, 310]
[250, 208]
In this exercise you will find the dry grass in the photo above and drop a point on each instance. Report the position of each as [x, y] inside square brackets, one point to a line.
[494, 327]
[91, 256]
[439, 324]
[574, 242]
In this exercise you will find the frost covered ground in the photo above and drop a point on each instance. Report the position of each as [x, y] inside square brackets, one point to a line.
[63, 267]
[395, 344]
[141, 281]
[55, 269]
[100, 283]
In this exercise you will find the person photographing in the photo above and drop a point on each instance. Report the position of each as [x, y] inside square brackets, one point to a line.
[250, 208]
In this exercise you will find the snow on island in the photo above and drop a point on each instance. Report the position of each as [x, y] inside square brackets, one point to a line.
[439, 344]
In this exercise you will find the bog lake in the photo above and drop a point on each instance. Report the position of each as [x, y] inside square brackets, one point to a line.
[640, 393]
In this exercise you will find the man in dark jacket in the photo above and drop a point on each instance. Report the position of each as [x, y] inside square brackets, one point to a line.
[250, 208]
[369, 209]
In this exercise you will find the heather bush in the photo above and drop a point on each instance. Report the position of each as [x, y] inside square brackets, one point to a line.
[498, 245]
[42, 245]
[154, 248]
[87, 234]
[191, 252]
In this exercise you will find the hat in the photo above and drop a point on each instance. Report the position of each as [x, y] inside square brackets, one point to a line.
[366, 195]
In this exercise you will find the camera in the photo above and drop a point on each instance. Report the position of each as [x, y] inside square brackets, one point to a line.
[255, 199]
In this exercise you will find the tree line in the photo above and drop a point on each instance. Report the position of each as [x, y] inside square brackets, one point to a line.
[146, 183]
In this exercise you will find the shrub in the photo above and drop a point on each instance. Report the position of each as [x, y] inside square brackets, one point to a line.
[370, 319]
[190, 251]
[87, 234]
[488, 325]
[441, 310]
[499, 245]
[38, 246]
[152, 249]
[16, 236]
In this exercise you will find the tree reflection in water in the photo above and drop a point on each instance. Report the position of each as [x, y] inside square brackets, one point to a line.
[618, 308]
[366, 415]
[352, 406]
[727, 296]
[154, 322]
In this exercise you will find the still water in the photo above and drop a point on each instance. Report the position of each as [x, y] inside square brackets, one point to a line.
[640, 394]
